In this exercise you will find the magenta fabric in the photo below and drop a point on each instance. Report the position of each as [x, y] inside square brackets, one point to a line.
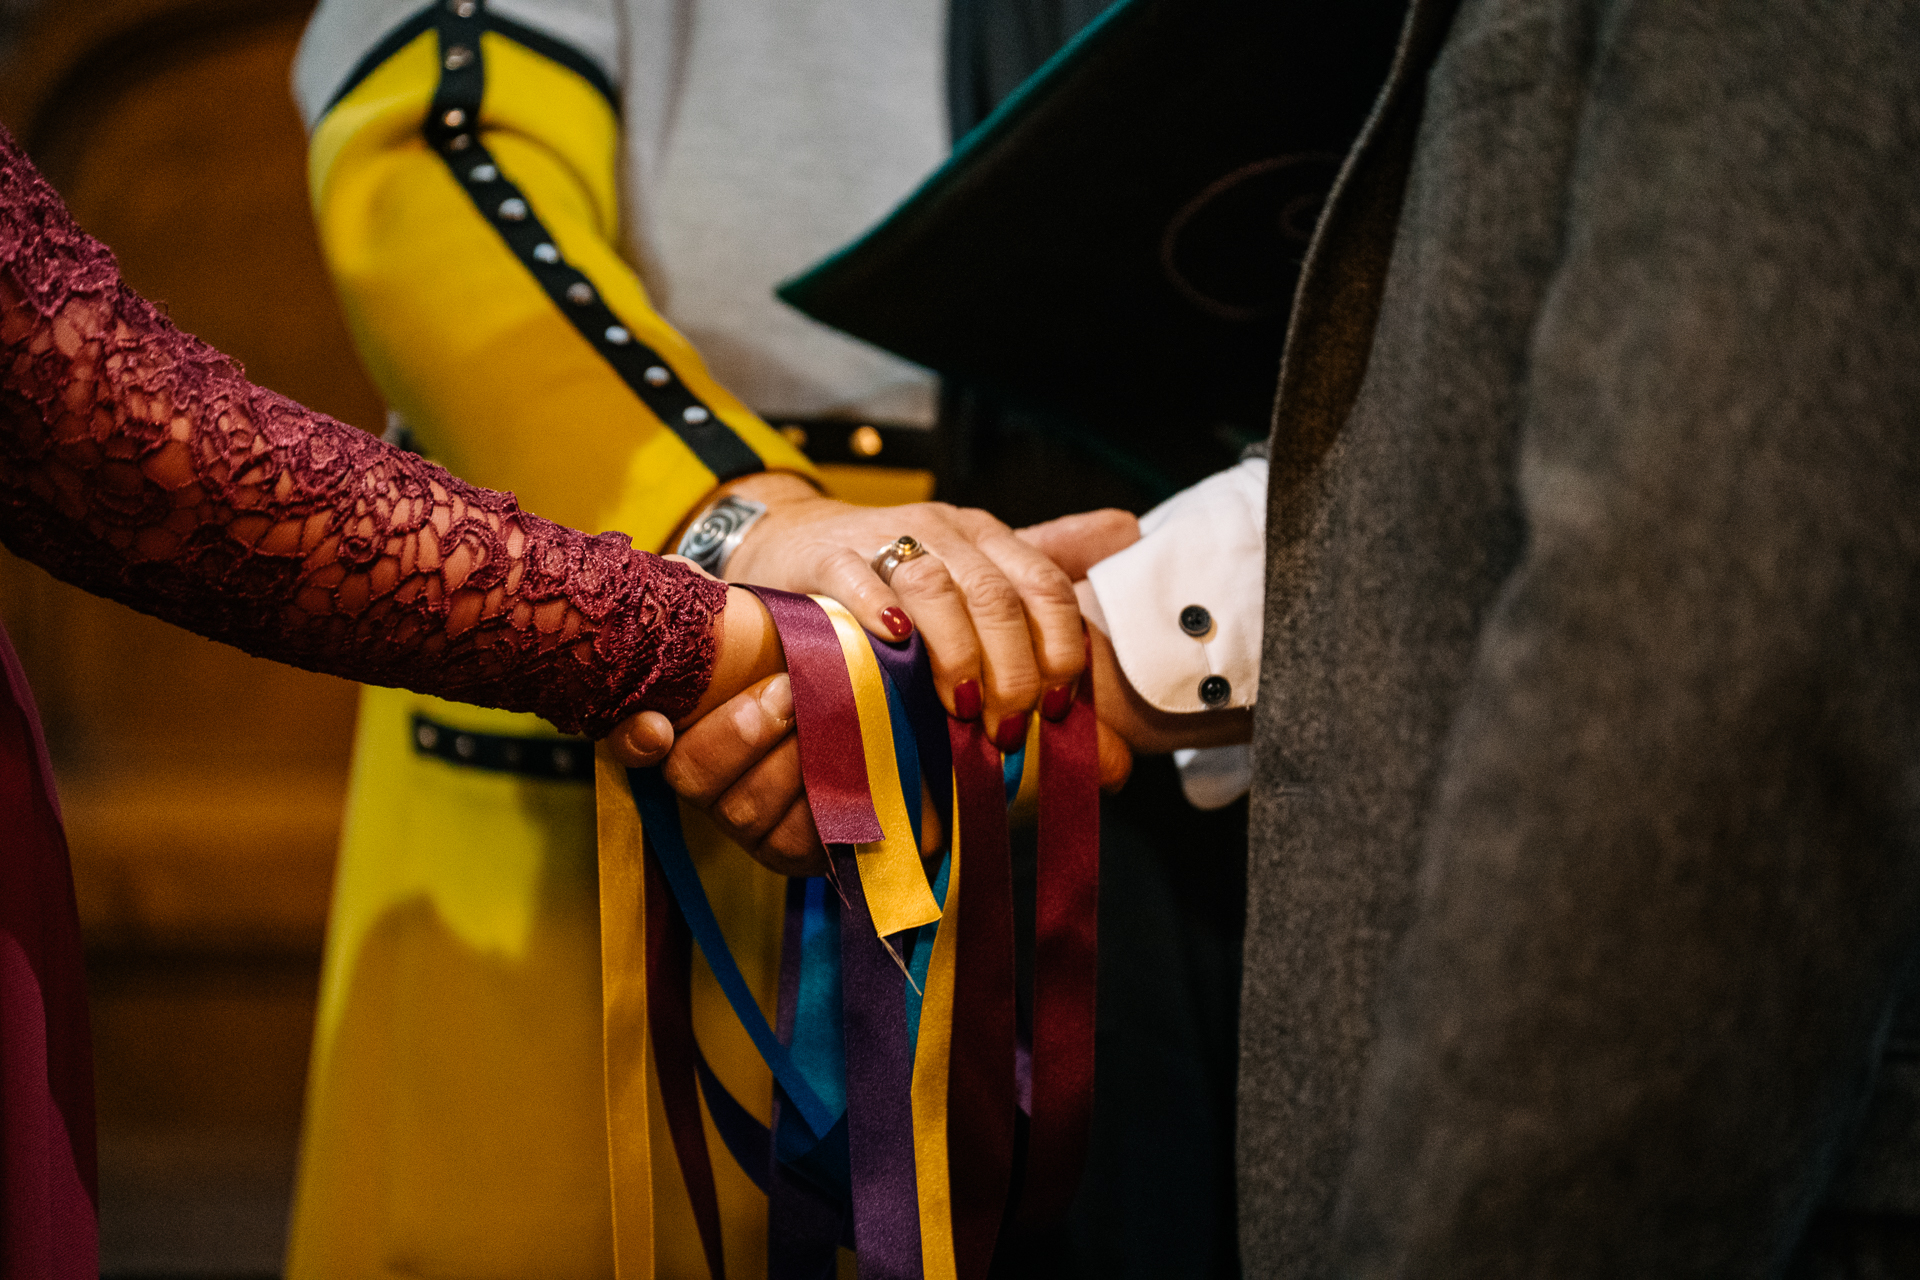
[49, 1221]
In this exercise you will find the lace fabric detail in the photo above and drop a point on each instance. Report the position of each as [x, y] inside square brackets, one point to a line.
[140, 464]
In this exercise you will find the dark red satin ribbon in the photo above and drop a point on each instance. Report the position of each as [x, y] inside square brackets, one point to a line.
[980, 1081]
[670, 1018]
[833, 762]
[1065, 961]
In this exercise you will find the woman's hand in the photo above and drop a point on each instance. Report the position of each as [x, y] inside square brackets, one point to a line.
[999, 619]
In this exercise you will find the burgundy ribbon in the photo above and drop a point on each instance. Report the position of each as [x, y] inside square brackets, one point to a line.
[670, 1018]
[980, 1074]
[1065, 960]
[833, 761]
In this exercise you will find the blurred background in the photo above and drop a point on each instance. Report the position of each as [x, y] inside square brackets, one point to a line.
[202, 788]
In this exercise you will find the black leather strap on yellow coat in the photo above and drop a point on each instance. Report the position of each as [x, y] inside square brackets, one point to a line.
[464, 182]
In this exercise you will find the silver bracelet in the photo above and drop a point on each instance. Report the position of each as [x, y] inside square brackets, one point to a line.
[717, 532]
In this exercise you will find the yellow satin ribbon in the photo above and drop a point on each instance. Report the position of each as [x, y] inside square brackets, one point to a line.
[932, 1054]
[898, 897]
[891, 874]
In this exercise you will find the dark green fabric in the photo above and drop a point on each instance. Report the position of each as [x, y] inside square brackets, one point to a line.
[1117, 244]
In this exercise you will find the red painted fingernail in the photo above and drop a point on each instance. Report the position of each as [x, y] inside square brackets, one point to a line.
[1054, 706]
[1013, 732]
[966, 699]
[898, 622]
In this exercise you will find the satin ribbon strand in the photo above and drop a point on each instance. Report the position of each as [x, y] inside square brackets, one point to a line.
[670, 1008]
[660, 814]
[1065, 962]
[886, 1220]
[833, 765]
[892, 877]
[932, 1057]
[980, 1083]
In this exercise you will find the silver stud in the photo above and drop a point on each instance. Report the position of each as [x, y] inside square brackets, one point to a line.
[454, 118]
[580, 293]
[464, 746]
[513, 209]
[694, 415]
[482, 173]
[428, 737]
[463, 8]
[562, 759]
[510, 752]
[618, 336]
[457, 57]
[459, 142]
[657, 376]
[546, 253]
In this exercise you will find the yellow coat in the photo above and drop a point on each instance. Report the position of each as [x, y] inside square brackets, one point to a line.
[456, 1120]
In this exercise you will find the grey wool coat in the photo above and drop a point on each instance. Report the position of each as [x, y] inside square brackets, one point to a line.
[1585, 869]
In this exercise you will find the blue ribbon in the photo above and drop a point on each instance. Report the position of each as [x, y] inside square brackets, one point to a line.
[660, 814]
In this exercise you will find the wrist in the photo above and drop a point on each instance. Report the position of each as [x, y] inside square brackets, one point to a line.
[746, 650]
[769, 487]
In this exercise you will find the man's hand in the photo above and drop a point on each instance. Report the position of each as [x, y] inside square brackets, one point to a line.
[999, 618]
[742, 765]
[1078, 542]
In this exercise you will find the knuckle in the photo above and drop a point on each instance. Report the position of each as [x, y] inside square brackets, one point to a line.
[922, 576]
[688, 777]
[993, 599]
[740, 811]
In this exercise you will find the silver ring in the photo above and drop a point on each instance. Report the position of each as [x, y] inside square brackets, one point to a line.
[896, 553]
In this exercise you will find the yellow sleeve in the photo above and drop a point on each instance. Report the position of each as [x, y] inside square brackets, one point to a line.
[464, 187]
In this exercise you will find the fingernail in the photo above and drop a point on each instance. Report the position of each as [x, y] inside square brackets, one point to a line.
[1054, 706]
[1013, 732]
[777, 699]
[897, 622]
[966, 699]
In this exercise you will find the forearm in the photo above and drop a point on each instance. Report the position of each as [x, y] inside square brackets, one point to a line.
[141, 464]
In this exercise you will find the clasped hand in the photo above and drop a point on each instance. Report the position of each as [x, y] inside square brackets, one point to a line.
[996, 610]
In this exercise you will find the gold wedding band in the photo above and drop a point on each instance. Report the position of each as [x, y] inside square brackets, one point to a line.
[894, 554]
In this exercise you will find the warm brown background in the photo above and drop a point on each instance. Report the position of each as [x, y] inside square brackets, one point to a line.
[202, 788]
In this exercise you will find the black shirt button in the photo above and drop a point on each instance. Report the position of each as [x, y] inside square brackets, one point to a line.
[1195, 621]
[1214, 691]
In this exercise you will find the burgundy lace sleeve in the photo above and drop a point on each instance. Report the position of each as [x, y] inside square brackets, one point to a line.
[140, 464]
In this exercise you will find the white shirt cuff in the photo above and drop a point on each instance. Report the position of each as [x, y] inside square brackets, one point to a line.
[1185, 604]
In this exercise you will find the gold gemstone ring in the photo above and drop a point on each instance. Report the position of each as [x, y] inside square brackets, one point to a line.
[896, 553]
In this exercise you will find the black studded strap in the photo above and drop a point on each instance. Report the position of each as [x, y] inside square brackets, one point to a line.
[453, 131]
[556, 759]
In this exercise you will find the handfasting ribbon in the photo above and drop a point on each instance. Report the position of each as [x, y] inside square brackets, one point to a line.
[660, 815]
[911, 676]
[884, 876]
[1066, 912]
[892, 876]
[804, 1225]
[933, 1044]
[833, 765]
[980, 1086]
[624, 1012]
[670, 1010]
